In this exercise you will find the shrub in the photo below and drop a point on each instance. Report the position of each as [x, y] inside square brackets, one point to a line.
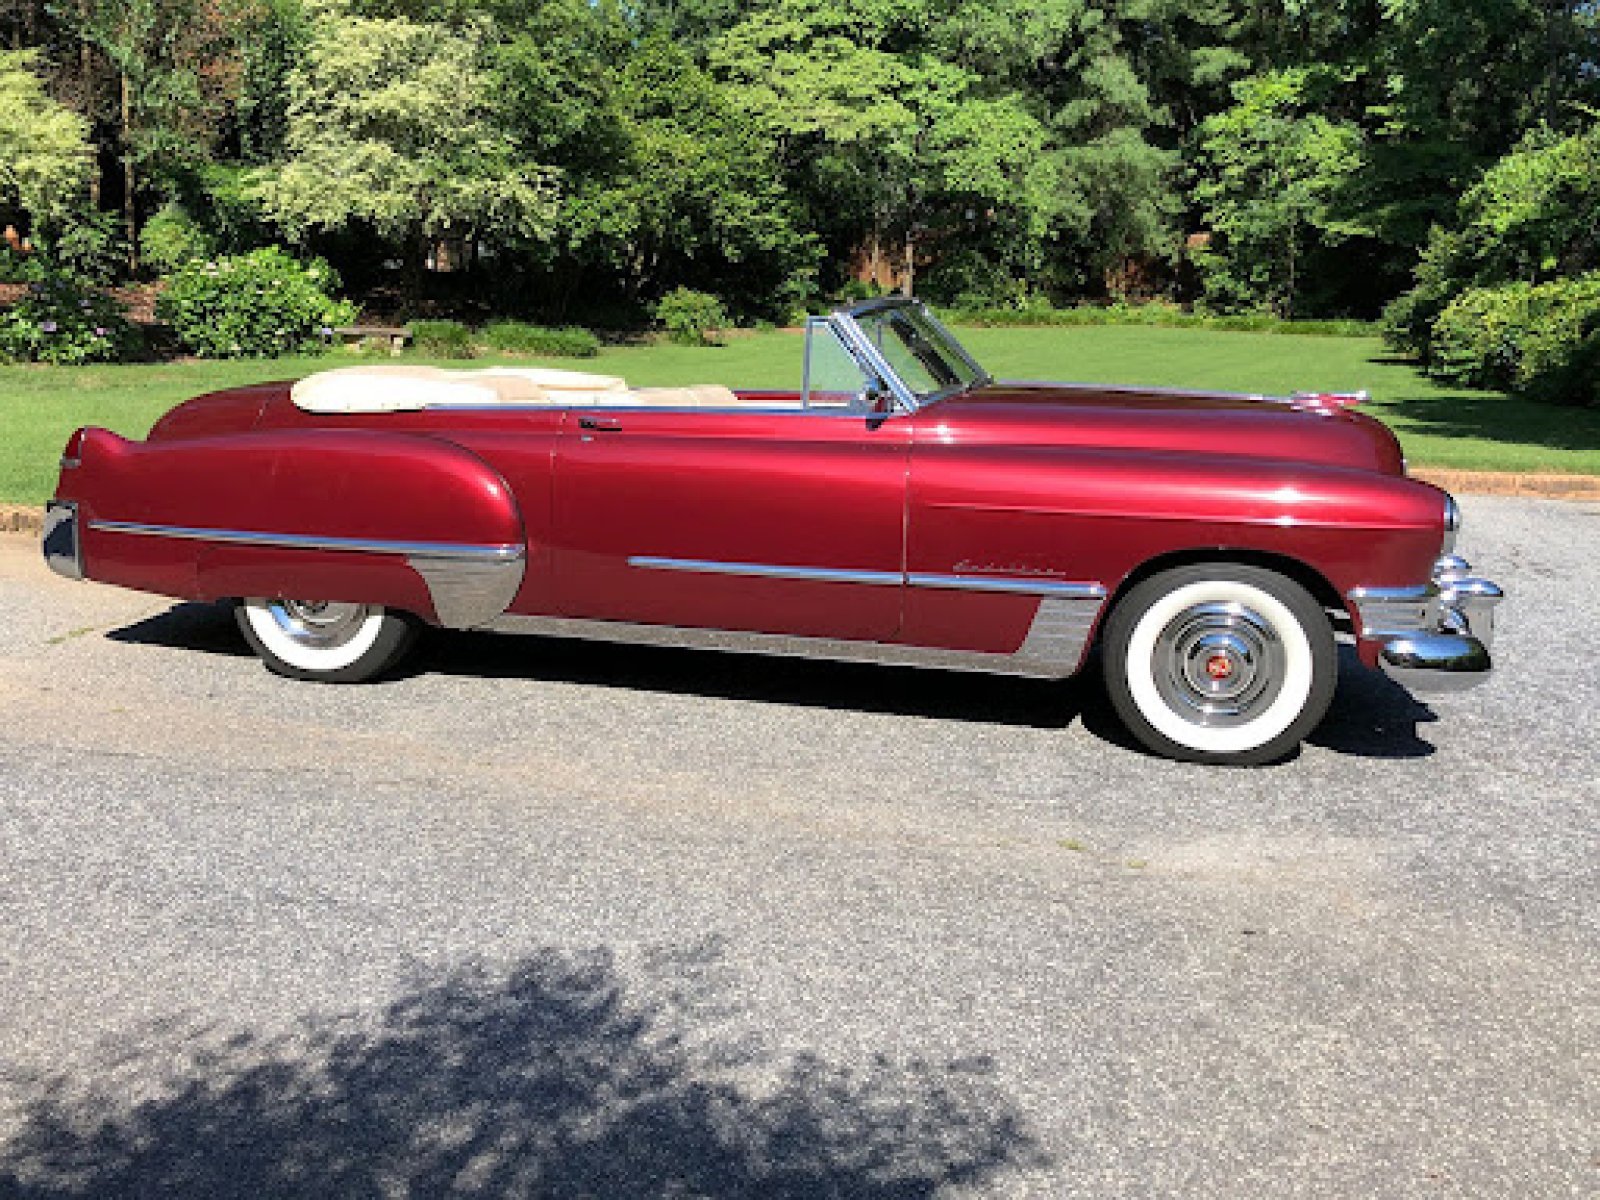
[257, 305]
[88, 246]
[1534, 339]
[514, 337]
[442, 339]
[171, 238]
[692, 318]
[61, 320]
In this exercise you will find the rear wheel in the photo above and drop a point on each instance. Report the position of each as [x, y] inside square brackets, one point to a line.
[1220, 663]
[325, 641]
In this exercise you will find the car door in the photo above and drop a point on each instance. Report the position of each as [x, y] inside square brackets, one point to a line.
[783, 520]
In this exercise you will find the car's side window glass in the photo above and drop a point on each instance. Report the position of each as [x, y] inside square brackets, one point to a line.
[833, 379]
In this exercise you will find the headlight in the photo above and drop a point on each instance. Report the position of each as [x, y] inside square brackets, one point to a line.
[1452, 524]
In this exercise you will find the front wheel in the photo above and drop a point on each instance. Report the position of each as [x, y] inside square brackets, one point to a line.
[1220, 663]
[325, 641]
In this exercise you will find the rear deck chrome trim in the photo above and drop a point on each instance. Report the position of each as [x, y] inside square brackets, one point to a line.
[504, 552]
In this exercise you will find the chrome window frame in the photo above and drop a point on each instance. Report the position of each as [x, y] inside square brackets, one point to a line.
[872, 361]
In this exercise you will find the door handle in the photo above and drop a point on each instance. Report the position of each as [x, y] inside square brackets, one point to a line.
[604, 424]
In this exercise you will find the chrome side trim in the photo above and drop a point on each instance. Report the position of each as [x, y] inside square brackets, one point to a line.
[62, 547]
[768, 571]
[1052, 649]
[1016, 584]
[504, 552]
[468, 593]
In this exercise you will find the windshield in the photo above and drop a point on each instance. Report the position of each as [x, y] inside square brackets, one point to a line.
[922, 352]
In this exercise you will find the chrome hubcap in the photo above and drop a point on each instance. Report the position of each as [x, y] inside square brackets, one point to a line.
[1219, 664]
[321, 624]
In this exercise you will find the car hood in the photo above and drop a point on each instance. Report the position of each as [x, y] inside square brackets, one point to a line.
[1159, 420]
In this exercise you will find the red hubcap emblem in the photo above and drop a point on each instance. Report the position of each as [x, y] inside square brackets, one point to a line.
[1218, 666]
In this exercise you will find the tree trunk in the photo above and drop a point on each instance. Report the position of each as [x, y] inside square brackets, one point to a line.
[86, 99]
[130, 216]
[908, 281]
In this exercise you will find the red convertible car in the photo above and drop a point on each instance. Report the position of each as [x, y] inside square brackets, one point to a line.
[901, 507]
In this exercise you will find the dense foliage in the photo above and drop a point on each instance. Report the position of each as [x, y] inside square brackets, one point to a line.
[1506, 293]
[60, 321]
[256, 305]
[569, 160]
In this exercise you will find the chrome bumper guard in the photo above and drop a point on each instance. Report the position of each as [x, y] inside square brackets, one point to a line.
[1437, 637]
[63, 548]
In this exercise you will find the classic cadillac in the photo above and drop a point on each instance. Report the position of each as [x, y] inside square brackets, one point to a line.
[902, 507]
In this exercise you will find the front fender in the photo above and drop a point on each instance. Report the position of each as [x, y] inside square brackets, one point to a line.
[404, 520]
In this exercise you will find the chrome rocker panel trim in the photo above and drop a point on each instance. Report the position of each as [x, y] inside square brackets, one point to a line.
[1437, 636]
[470, 584]
[1052, 649]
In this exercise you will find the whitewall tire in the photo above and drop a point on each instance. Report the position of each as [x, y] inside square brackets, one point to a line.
[325, 641]
[1220, 663]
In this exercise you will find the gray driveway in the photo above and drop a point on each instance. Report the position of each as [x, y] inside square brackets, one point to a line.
[544, 918]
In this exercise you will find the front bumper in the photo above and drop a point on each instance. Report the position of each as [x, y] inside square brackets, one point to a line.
[62, 545]
[1437, 637]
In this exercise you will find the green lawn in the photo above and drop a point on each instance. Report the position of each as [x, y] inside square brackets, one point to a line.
[1440, 427]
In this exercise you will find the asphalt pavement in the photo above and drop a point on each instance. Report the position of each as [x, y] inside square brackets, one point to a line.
[545, 918]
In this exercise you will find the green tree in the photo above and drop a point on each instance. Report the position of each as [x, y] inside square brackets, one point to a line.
[1270, 173]
[396, 127]
[1533, 218]
[172, 64]
[894, 148]
[45, 156]
[691, 194]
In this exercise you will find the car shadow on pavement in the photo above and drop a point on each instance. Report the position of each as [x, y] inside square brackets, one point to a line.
[208, 628]
[557, 1077]
[1371, 716]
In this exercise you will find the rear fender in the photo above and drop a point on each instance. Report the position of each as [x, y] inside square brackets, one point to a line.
[403, 520]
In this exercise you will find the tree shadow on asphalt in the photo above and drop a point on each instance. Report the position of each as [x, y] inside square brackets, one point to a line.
[1371, 716]
[553, 1078]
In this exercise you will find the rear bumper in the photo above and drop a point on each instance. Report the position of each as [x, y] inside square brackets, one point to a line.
[62, 543]
[1436, 637]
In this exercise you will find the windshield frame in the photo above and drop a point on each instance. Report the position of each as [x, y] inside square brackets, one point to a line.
[847, 322]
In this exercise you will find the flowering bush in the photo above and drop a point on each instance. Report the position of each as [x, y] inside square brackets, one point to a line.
[257, 305]
[61, 320]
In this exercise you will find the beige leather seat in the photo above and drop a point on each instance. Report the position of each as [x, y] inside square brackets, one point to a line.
[388, 388]
[379, 388]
